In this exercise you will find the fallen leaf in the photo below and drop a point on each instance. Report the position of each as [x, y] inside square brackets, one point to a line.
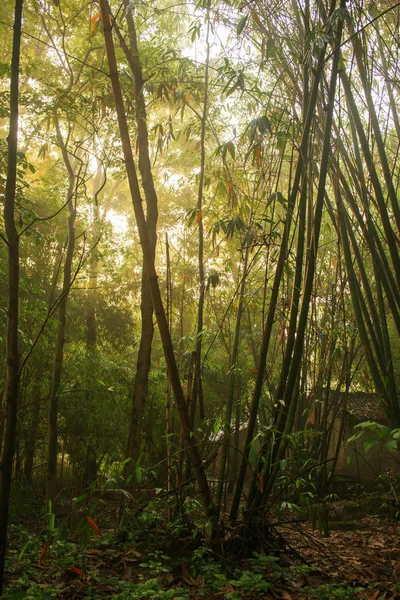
[298, 584]
[93, 525]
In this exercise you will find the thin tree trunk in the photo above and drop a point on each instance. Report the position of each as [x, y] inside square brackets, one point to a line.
[91, 325]
[387, 173]
[31, 434]
[141, 384]
[88, 471]
[386, 222]
[168, 428]
[12, 372]
[232, 376]
[52, 451]
[148, 257]
[291, 389]
[275, 288]
[197, 396]
[189, 388]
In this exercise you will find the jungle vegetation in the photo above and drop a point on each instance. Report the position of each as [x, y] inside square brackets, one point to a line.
[200, 251]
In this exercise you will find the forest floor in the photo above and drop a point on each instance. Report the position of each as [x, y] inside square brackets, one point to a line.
[86, 558]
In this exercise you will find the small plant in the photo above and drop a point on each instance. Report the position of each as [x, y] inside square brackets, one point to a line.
[155, 564]
[248, 582]
[260, 563]
[327, 592]
[301, 570]
[151, 589]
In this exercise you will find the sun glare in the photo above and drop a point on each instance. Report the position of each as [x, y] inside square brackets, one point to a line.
[119, 222]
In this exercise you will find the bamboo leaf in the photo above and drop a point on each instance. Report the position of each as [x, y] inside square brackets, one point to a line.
[242, 24]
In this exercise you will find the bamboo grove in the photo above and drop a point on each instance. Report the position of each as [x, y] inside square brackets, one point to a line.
[199, 242]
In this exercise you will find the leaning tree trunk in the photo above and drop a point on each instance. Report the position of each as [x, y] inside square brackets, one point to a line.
[12, 238]
[390, 234]
[141, 384]
[148, 259]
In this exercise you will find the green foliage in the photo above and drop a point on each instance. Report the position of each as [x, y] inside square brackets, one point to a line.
[254, 129]
[152, 589]
[249, 582]
[242, 24]
[382, 432]
[325, 592]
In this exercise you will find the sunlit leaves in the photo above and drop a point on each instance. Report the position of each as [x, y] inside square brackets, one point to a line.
[195, 31]
[94, 22]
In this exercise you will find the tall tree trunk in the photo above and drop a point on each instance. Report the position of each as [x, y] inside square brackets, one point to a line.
[52, 450]
[387, 172]
[291, 388]
[232, 377]
[168, 428]
[12, 373]
[275, 287]
[392, 238]
[91, 325]
[88, 471]
[141, 384]
[197, 396]
[357, 300]
[148, 257]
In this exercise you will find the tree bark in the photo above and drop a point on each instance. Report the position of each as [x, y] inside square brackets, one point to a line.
[232, 376]
[148, 258]
[12, 372]
[52, 450]
[275, 288]
[197, 397]
[292, 382]
[141, 384]
[31, 434]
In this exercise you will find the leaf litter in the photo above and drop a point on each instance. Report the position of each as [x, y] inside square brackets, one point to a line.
[362, 563]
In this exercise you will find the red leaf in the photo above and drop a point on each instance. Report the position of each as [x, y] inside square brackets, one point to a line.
[44, 554]
[77, 571]
[95, 18]
[199, 216]
[260, 482]
[94, 21]
[93, 525]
